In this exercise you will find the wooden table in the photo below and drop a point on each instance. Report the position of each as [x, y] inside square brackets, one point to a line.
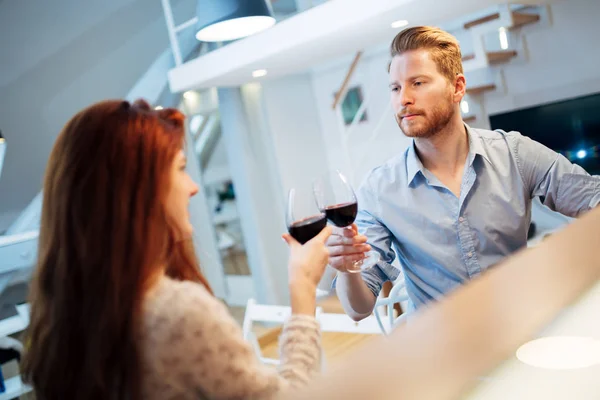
[335, 344]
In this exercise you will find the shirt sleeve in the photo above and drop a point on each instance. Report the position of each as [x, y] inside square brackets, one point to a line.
[214, 361]
[563, 186]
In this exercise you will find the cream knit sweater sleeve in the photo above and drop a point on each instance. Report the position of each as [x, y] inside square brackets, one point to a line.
[192, 348]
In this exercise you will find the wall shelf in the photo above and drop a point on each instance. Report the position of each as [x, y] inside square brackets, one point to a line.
[498, 57]
[477, 90]
[519, 19]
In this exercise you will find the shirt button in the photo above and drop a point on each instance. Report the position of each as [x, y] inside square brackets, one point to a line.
[461, 219]
[469, 254]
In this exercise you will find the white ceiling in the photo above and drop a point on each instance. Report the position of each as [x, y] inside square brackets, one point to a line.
[328, 31]
[57, 57]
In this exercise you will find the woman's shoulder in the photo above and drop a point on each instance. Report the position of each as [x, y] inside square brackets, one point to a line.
[175, 303]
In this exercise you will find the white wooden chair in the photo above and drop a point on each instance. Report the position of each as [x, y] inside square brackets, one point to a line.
[330, 322]
[343, 323]
[398, 294]
[267, 314]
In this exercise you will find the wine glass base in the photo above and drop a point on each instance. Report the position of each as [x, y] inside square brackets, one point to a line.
[367, 263]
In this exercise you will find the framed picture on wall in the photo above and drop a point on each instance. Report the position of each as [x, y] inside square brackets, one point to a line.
[351, 104]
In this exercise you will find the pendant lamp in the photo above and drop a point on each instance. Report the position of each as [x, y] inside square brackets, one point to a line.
[225, 20]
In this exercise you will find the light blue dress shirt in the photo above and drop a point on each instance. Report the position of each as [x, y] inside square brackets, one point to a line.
[443, 241]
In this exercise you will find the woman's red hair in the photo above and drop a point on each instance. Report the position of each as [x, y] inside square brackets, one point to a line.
[104, 238]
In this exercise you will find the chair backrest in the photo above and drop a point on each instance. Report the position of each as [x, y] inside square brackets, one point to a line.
[398, 294]
[16, 323]
[266, 314]
[343, 323]
[17, 256]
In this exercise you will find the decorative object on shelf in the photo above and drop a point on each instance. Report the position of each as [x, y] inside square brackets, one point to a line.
[227, 194]
[351, 105]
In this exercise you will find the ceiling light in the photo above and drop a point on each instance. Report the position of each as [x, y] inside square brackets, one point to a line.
[221, 21]
[464, 106]
[560, 352]
[401, 23]
[503, 36]
[158, 107]
[189, 95]
[259, 73]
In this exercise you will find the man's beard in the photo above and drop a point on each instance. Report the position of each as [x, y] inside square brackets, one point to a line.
[427, 124]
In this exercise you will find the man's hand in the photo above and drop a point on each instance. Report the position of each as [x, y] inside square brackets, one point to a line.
[346, 247]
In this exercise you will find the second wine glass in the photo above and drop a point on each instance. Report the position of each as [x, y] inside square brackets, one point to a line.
[336, 198]
[304, 219]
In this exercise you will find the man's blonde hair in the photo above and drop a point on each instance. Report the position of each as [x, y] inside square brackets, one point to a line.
[442, 46]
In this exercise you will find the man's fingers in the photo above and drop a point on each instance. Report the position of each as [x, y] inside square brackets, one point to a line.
[342, 263]
[347, 250]
[336, 240]
[345, 232]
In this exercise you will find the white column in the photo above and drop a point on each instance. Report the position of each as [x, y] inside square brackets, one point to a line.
[204, 232]
[258, 194]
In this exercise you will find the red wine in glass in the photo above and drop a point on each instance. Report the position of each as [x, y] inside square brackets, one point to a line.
[342, 215]
[304, 219]
[307, 228]
[335, 197]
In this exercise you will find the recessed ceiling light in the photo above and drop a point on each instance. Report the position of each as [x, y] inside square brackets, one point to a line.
[189, 95]
[259, 73]
[401, 23]
[560, 352]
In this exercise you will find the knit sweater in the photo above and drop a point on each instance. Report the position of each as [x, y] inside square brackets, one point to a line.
[192, 348]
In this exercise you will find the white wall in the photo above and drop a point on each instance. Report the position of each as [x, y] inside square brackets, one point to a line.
[293, 120]
[250, 157]
[299, 143]
[371, 142]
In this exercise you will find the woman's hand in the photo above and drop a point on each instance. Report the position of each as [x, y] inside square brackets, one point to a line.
[306, 267]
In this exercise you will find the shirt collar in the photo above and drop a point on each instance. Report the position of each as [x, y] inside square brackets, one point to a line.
[414, 164]
[475, 145]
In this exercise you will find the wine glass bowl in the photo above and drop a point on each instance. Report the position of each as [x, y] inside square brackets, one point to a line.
[335, 197]
[303, 218]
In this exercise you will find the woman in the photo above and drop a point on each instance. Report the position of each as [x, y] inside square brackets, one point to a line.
[120, 309]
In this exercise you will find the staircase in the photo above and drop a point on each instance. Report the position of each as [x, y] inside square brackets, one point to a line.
[489, 43]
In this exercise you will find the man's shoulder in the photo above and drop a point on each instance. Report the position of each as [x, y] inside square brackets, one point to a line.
[497, 141]
[497, 135]
[494, 135]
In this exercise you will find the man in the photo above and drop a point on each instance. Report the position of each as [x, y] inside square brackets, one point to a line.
[458, 200]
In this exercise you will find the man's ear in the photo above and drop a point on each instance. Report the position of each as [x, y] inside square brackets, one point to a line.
[460, 88]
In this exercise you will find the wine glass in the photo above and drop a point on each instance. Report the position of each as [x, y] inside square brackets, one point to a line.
[304, 219]
[335, 197]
